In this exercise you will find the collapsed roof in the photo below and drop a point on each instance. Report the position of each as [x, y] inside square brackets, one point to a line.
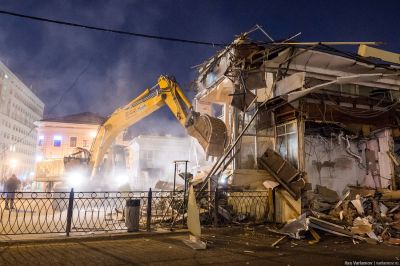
[249, 61]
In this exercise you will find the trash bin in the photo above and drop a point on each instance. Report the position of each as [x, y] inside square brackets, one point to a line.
[132, 214]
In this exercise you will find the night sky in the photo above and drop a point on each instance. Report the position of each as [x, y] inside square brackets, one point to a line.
[50, 57]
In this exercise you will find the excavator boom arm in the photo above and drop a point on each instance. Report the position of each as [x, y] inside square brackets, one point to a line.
[168, 92]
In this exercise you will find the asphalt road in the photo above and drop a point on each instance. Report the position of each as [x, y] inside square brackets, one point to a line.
[228, 246]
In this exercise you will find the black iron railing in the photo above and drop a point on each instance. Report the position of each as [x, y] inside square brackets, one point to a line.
[68, 212]
[33, 212]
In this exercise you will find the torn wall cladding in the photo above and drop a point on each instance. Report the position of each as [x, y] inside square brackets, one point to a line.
[332, 115]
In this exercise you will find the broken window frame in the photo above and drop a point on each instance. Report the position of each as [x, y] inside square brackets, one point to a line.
[292, 151]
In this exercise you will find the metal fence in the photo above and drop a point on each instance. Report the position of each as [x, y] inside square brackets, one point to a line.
[68, 212]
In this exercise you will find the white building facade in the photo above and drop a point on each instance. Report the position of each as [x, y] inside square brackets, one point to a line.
[19, 109]
[151, 159]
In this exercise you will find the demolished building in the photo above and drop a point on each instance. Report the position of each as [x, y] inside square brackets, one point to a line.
[301, 116]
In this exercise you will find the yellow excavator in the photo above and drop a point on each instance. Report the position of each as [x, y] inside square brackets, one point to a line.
[210, 132]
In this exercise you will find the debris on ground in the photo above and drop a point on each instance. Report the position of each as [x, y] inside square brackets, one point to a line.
[315, 236]
[295, 228]
[363, 214]
[278, 241]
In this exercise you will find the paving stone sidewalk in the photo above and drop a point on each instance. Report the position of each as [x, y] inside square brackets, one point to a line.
[225, 247]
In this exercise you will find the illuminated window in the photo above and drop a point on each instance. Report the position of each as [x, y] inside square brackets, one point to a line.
[57, 141]
[72, 141]
[39, 158]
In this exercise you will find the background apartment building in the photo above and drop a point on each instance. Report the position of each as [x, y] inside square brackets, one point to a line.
[19, 109]
[58, 137]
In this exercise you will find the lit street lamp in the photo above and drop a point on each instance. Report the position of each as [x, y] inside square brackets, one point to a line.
[13, 163]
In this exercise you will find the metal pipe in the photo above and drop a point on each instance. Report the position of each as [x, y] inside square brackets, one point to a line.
[255, 146]
[186, 181]
[265, 33]
[217, 165]
[222, 159]
[349, 151]
[174, 178]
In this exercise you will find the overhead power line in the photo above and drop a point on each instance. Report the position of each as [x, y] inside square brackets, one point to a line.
[68, 89]
[135, 34]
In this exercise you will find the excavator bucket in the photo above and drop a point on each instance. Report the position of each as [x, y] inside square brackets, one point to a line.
[211, 133]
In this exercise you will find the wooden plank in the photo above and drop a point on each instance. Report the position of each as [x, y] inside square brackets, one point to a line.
[277, 241]
[280, 167]
[289, 203]
[315, 235]
[271, 206]
[387, 56]
[290, 179]
[391, 195]
[266, 167]
[287, 172]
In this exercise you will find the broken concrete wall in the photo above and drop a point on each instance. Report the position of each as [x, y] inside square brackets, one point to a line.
[328, 164]
[220, 93]
[251, 179]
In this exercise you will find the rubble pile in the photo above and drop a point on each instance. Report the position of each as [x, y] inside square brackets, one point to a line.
[362, 214]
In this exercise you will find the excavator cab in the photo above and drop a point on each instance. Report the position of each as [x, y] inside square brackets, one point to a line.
[80, 156]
